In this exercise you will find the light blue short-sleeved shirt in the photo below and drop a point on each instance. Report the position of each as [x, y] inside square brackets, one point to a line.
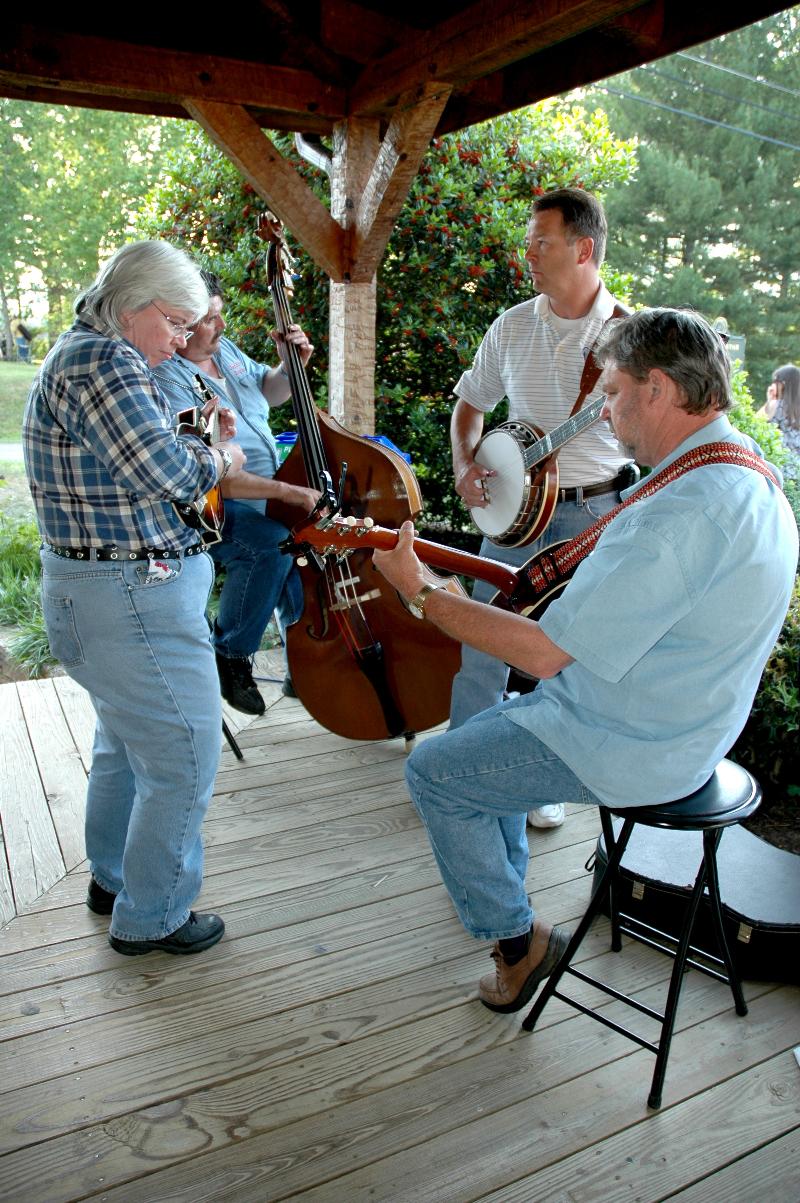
[243, 393]
[670, 621]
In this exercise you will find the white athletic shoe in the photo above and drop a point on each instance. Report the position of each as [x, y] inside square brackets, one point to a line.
[547, 816]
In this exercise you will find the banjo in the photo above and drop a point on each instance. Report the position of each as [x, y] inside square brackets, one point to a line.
[524, 493]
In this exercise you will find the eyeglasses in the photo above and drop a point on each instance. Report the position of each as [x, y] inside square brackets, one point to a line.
[179, 328]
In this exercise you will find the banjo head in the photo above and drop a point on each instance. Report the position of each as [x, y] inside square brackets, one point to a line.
[515, 502]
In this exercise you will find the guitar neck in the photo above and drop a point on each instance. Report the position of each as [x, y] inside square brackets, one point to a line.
[562, 434]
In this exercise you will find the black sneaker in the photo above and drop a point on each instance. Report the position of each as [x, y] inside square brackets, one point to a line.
[99, 900]
[237, 685]
[198, 933]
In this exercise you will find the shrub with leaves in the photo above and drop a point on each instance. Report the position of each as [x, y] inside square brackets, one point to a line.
[452, 265]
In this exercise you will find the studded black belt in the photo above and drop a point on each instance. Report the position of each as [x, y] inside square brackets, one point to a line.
[123, 553]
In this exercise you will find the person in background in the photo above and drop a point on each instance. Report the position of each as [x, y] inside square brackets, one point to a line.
[125, 584]
[534, 355]
[783, 404]
[259, 578]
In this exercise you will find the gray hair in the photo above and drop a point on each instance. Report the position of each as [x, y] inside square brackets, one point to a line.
[138, 274]
[582, 214]
[680, 344]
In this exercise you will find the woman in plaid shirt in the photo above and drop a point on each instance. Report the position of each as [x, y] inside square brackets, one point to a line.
[124, 589]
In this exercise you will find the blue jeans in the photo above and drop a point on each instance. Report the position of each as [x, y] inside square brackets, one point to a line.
[481, 680]
[473, 787]
[138, 641]
[259, 578]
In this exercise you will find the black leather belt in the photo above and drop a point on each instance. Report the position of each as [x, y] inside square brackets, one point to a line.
[603, 486]
[121, 553]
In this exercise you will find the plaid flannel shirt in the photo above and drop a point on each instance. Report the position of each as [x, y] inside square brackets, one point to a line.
[102, 458]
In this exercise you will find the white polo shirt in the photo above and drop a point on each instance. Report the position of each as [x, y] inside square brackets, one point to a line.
[536, 360]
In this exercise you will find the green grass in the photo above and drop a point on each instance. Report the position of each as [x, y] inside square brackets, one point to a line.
[15, 382]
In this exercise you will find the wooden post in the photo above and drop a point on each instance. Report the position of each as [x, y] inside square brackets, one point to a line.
[351, 371]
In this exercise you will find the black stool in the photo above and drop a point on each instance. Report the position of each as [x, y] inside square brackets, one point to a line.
[729, 797]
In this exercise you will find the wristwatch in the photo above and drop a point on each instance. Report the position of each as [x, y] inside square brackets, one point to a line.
[227, 462]
[417, 604]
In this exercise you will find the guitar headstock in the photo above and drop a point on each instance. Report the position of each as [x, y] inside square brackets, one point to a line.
[336, 534]
[280, 261]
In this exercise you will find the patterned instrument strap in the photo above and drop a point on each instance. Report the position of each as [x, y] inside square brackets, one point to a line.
[550, 567]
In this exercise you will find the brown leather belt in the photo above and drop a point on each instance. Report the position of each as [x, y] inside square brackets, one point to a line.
[120, 553]
[597, 490]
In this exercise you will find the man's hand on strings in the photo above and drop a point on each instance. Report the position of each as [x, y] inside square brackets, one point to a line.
[298, 338]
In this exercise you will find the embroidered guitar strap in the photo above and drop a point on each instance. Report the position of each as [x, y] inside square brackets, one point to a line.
[558, 563]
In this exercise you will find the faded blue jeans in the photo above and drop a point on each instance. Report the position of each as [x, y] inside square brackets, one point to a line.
[137, 639]
[473, 787]
[259, 578]
[481, 680]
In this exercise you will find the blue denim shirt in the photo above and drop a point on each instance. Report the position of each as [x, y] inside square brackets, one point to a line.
[243, 378]
[670, 621]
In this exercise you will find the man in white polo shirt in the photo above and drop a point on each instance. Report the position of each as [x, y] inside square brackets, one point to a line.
[534, 354]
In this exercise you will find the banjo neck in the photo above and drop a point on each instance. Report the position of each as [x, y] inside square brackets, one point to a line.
[562, 434]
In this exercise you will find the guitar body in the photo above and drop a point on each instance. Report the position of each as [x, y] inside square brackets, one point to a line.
[522, 500]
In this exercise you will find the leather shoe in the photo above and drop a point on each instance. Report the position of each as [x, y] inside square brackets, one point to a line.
[512, 986]
[198, 933]
[99, 900]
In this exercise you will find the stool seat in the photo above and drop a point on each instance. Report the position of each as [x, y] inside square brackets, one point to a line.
[729, 796]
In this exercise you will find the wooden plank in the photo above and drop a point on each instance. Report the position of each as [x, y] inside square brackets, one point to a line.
[34, 857]
[254, 1136]
[8, 908]
[770, 1174]
[742, 1113]
[590, 1108]
[62, 773]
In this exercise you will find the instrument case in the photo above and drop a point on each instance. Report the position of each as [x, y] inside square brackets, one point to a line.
[759, 888]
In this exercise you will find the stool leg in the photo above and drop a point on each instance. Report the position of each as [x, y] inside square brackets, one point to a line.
[593, 909]
[613, 900]
[711, 841]
[675, 984]
[232, 742]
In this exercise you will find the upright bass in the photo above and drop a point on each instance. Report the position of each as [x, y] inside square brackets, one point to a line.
[362, 665]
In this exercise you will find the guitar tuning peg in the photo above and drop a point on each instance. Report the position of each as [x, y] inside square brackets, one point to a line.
[350, 521]
[302, 561]
[369, 523]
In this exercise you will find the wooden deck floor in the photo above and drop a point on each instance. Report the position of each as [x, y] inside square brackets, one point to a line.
[331, 1048]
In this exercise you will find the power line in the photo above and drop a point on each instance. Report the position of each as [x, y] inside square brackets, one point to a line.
[753, 79]
[690, 83]
[736, 129]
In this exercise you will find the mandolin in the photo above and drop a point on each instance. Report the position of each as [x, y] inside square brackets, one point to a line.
[205, 514]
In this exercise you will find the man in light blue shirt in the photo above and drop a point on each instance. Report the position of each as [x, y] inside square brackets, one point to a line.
[259, 578]
[649, 660]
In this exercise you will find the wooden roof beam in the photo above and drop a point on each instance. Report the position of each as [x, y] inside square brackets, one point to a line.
[401, 152]
[97, 66]
[467, 46]
[242, 139]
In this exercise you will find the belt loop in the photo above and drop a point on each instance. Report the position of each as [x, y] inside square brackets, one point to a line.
[579, 496]
[92, 553]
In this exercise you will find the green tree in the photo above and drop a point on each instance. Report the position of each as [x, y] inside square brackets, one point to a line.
[73, 181]
[711, 218]
[452, 264]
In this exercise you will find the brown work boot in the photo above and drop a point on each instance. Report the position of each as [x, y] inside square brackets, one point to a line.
[511, 986]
